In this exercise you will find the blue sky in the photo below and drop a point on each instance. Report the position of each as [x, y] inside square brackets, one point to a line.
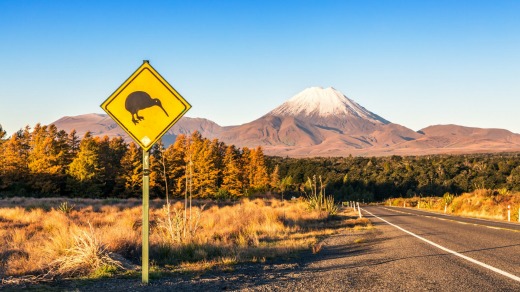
[415, 63]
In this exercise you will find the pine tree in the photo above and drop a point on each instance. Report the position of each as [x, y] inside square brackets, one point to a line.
[13, 165]
[111, 152]
[209, 169]
[158, 170]
[86, 169]
[175, 159]
[258, 171]
[63, 147]
[275, 178]
[232, 172]
[132, 170]
[204, 173]
[247, 171]
[45, 160]
[3, 134]
[219, 150]
[73, 141]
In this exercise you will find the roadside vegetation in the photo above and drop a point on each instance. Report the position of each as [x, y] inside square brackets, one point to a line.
[483, 203]
[48, 238]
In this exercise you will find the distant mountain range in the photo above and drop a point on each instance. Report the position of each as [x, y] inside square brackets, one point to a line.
[322, 122]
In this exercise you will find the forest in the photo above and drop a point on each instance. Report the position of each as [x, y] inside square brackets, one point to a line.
[379, 178]
[46, 162]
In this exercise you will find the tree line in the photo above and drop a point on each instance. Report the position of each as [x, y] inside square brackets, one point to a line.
[46, 161]
[379, 178]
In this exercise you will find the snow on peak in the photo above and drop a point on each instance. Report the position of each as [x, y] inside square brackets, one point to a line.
[324, 102]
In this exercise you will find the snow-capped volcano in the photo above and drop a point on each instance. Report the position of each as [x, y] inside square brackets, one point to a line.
[324, 102]
[318, 116]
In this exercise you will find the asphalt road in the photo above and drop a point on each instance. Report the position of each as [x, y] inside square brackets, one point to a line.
[490, 251]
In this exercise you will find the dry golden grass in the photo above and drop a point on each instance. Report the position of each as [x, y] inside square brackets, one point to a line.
[483, 203]
[101, 237]
[85, 255]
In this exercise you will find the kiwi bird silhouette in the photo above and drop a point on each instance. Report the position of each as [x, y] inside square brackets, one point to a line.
[139, 100]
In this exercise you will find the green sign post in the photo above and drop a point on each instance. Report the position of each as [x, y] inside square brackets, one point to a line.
[146, 207]
[146, 106]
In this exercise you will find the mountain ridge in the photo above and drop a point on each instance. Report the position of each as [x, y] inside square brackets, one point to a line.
[322, 122]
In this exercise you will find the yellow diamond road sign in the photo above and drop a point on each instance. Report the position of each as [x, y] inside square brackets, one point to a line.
[146, 106]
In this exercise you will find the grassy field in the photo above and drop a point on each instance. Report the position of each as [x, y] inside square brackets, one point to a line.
[49, 238]
[490, 204]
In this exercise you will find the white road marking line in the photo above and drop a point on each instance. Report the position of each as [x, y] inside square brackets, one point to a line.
[496, 270]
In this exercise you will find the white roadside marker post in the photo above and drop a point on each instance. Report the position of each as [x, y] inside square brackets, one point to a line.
[509, 213]
[359, 210]
[445, 208]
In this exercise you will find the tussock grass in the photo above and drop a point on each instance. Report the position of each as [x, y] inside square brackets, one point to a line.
[98, 238]
[86, 255]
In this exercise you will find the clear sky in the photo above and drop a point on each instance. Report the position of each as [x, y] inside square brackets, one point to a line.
[415, 63]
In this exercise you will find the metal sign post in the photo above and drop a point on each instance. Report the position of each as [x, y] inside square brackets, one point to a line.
[146, 106]
[146, 208]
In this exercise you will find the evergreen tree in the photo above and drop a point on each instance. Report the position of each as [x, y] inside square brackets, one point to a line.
[63, 147]
[111, 152]
[219, 150]
[44, 160]
[74, 141]
[131, 174]
[247, 171]
[205, 172]
[3, 134]
[86, 170]
[159, 170]
[231, 182]
[14, 170]
[193, 161]
[275, 178]
[258, 171]
[176, 161]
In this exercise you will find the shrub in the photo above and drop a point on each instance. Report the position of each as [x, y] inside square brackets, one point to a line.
[318, 200]
[448, 198]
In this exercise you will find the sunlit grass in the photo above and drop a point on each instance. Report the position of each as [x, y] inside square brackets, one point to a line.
[99, 238]
[482, 203]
